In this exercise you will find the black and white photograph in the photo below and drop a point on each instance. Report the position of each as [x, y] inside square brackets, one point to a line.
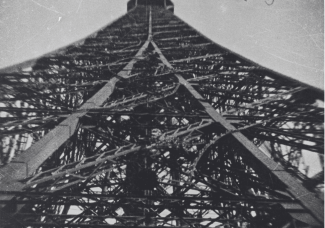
[162, 113]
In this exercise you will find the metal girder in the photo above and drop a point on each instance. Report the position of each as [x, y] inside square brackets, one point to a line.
[126, 113]
[189, 197]
[187, 47]
[196, 58]
[181, 38]
[289, 206]
[41, 224]
[307, 198]
[169, 26]
[33, 157]
[100, 168]
[108, 157]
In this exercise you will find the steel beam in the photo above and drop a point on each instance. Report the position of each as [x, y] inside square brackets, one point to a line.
[308, 199]
[26, 163]
[95, 157]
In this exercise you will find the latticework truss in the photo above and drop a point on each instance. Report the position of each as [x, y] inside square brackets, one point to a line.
[148, 123]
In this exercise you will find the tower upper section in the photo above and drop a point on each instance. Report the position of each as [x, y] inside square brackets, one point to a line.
[163, 3]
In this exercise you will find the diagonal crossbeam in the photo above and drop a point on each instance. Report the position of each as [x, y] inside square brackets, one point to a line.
[34, 156]
[110, 156]
[307, 198]
[149, 126]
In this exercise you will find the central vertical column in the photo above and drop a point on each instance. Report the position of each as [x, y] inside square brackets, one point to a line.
[139, 176]
[150, 26]
[148, 192]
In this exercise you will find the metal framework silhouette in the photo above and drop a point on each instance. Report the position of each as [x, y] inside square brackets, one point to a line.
[149, 123]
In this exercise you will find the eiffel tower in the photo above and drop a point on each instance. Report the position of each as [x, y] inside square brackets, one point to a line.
[148, 123]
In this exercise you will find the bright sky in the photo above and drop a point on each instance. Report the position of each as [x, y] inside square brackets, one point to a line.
[287, 36]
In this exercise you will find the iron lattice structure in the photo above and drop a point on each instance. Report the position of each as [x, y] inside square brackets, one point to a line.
[149, 123]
